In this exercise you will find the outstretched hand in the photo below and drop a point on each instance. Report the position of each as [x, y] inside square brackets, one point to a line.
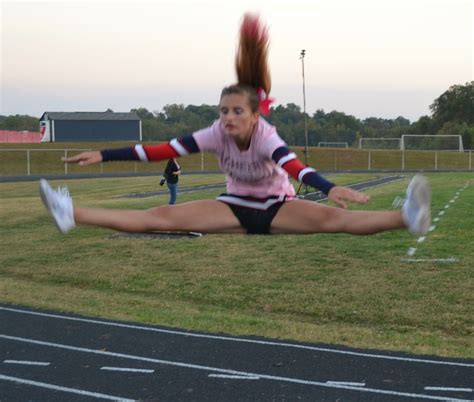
[342, 194]
[84, 158]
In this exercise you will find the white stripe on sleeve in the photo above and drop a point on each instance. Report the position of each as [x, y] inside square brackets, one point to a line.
[178, 147]
[141, 153]
[303, 172]
[286, 158]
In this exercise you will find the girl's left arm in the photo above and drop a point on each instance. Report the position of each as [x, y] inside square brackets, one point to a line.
[288, 160]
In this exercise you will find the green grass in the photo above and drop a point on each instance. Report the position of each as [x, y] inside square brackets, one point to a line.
[340, 289]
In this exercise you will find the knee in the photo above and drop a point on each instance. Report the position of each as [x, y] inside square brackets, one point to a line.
[163, 212]
[335, 219]
[160, 218]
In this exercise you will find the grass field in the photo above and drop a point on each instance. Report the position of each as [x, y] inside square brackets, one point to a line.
[336, 289]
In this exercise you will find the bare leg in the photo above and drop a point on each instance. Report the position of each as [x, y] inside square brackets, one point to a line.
[208, 216]
[302, 216]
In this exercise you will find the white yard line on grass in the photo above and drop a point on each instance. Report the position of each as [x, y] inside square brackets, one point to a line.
[412, 250]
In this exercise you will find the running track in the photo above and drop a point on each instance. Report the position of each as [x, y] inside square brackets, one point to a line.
[49, 356]
[314, 196]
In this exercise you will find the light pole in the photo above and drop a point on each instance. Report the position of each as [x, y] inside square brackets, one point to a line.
[302, 54]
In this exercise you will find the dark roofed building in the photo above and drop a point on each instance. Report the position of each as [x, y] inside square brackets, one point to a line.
[90, 126]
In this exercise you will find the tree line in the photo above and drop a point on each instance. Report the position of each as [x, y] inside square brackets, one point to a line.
[451, 113]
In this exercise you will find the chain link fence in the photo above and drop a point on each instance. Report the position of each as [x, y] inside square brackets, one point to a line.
[37, 161]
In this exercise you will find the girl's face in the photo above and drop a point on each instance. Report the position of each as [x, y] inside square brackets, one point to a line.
[237, 117]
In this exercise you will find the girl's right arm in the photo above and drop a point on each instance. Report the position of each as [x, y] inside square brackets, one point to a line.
[145, 153]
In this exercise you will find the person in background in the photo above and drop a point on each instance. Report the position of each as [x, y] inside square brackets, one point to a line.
[171, 177]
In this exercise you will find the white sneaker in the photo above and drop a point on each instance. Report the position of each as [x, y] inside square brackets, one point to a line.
[59, 205]
[416, 210]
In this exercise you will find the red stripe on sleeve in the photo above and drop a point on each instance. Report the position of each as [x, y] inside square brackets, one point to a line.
[294, 167]
[160, 152]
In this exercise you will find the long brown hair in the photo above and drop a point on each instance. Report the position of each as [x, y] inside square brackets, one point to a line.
[251, 61]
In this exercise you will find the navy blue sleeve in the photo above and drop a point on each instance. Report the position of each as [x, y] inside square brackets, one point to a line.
[315, 180]
[119, 154]
[288, 160]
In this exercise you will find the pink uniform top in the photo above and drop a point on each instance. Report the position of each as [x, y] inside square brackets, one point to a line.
[251, 172]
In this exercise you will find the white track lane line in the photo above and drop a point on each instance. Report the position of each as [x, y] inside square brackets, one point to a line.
[64, 389]
[450, 389]
[228, 371]
[128, 370]
[26, 362]
[238, 340]
[234, 377]
[353, 384]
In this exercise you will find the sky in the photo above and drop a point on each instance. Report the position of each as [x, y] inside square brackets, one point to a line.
[366, 58]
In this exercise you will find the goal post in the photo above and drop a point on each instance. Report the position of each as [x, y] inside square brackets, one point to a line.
[379, 143]
[431, 142]
[323, 144]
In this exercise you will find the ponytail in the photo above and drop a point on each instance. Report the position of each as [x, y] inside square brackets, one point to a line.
[251, 64]
[251, 61]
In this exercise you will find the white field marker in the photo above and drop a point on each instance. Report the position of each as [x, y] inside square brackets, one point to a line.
[234, 377]
[128, 370]
[64, 389]
[412, 250]
[443, 260]
[453, 389]
[352, 384]
[26, 362]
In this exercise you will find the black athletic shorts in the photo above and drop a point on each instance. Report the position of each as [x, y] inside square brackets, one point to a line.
[255, 215]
